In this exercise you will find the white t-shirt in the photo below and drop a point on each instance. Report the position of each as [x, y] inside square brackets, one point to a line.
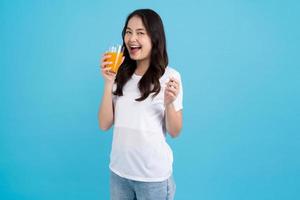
[139, 148]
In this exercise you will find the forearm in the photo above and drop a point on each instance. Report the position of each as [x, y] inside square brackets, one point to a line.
[173, 120]
[106, 113]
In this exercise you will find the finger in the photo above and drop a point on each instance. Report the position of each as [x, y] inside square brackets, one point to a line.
[105, 57]
[112, 74]
[171, 87]
[108, 73]
[171, 95]
[104, 64]
[173, 84]
[172, 90]
[172, 79]
[106, 69]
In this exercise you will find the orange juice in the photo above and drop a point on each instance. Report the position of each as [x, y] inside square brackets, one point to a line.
[115, 59]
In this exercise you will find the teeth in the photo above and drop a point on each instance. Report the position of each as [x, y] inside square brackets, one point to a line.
[134, 46]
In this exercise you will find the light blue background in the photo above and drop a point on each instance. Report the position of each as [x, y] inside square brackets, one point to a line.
[239, 62]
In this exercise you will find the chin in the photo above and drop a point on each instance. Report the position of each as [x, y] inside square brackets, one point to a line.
[134, 58]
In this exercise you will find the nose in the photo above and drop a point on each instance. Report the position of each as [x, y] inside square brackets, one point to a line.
[133, 37]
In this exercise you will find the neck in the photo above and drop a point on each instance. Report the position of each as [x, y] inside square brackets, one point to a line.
[141, 67]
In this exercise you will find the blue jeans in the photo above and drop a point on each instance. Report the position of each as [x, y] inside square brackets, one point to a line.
[126, 189]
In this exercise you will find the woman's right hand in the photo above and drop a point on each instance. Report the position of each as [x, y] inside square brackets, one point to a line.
[109, 77]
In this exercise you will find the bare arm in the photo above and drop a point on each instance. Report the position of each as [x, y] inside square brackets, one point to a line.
[106, 110]
[173, 118]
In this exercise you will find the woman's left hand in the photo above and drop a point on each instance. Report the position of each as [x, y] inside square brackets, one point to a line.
[171, 91]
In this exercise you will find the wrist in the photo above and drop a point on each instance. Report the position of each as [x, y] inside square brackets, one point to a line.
[108, 84]
[108, 87]
[169, 105]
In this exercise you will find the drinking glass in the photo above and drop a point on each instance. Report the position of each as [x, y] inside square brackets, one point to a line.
[116, 54]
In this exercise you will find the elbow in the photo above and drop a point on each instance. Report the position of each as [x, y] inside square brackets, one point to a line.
[104, 123]
[104, 126]
[175, 132]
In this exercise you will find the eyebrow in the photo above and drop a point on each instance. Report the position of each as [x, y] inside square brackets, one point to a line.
[139, 29]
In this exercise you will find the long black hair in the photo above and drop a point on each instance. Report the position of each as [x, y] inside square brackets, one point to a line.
[149, 83]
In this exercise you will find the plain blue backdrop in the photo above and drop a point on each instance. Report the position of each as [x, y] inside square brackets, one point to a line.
[240, 67]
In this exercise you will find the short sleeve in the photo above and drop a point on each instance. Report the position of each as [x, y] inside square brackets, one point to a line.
[178, 104]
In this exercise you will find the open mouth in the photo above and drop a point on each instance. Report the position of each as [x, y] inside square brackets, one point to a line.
[134, 48]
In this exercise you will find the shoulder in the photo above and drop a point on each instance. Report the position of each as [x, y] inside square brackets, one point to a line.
[171, 72]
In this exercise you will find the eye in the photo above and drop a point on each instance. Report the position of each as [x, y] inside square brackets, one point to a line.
[140, 33]
[127, 32]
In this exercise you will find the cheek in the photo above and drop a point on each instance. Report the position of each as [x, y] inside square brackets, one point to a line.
[148, 46]
[125, 41]
[146, 41]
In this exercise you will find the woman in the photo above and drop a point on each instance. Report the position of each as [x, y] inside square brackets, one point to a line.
[144, 102]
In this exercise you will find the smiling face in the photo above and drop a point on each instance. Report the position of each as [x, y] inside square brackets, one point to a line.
[137, 40]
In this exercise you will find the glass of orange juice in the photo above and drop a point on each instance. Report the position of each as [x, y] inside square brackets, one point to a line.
[116, 54]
